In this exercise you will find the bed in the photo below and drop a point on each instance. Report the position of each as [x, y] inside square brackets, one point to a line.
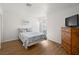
[31, 38]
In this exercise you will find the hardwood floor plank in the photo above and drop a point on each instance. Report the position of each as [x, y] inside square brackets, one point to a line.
[43, 48]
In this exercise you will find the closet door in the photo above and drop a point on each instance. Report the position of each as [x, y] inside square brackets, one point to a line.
[0, 29]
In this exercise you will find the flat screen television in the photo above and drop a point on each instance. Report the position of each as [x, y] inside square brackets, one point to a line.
[72, 21]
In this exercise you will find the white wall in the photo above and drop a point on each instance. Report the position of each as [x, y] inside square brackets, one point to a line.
[56, 20]
[14, 14]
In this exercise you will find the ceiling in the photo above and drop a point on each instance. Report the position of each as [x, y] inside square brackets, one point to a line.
[54, 7]
[61, 6]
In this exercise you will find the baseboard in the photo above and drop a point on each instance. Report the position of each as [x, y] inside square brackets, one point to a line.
[9, 40]
[54, 41]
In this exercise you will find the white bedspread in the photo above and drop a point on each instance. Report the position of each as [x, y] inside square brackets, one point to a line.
[30, 37]
[31, 34]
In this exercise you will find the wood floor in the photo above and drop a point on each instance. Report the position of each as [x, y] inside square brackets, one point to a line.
[43, 48]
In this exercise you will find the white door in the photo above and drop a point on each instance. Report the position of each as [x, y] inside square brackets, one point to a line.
[0, 29]
[43, 25]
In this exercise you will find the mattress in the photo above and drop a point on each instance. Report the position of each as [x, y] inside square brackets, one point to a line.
[31, 34]
[30, 37]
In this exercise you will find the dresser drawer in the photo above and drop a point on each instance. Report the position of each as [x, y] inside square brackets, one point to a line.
[75, 50]
[66, 29]
[75, 40]
[66, 46]
[67, 40]
[67, 50]
[66, 34]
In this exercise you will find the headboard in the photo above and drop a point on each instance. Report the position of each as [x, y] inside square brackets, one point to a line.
[24, 30]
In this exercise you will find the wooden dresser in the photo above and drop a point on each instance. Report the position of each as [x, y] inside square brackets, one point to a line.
[70, 39]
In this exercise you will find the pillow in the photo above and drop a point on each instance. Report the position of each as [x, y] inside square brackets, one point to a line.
[25, 30]
[28, 29]
[22, 30]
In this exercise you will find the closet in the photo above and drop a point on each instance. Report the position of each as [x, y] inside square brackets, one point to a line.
[0, 29]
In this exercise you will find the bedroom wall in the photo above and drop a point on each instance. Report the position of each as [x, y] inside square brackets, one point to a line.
[57, 20]
[14, 14]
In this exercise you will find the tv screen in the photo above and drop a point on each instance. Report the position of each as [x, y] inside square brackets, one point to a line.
[72, 21]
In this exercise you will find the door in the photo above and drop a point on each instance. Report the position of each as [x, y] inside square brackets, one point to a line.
[0, 29]
[43, 25]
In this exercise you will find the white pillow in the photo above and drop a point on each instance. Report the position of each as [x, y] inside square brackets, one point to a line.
[28, 30]
[25, 29]
[22, 29]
